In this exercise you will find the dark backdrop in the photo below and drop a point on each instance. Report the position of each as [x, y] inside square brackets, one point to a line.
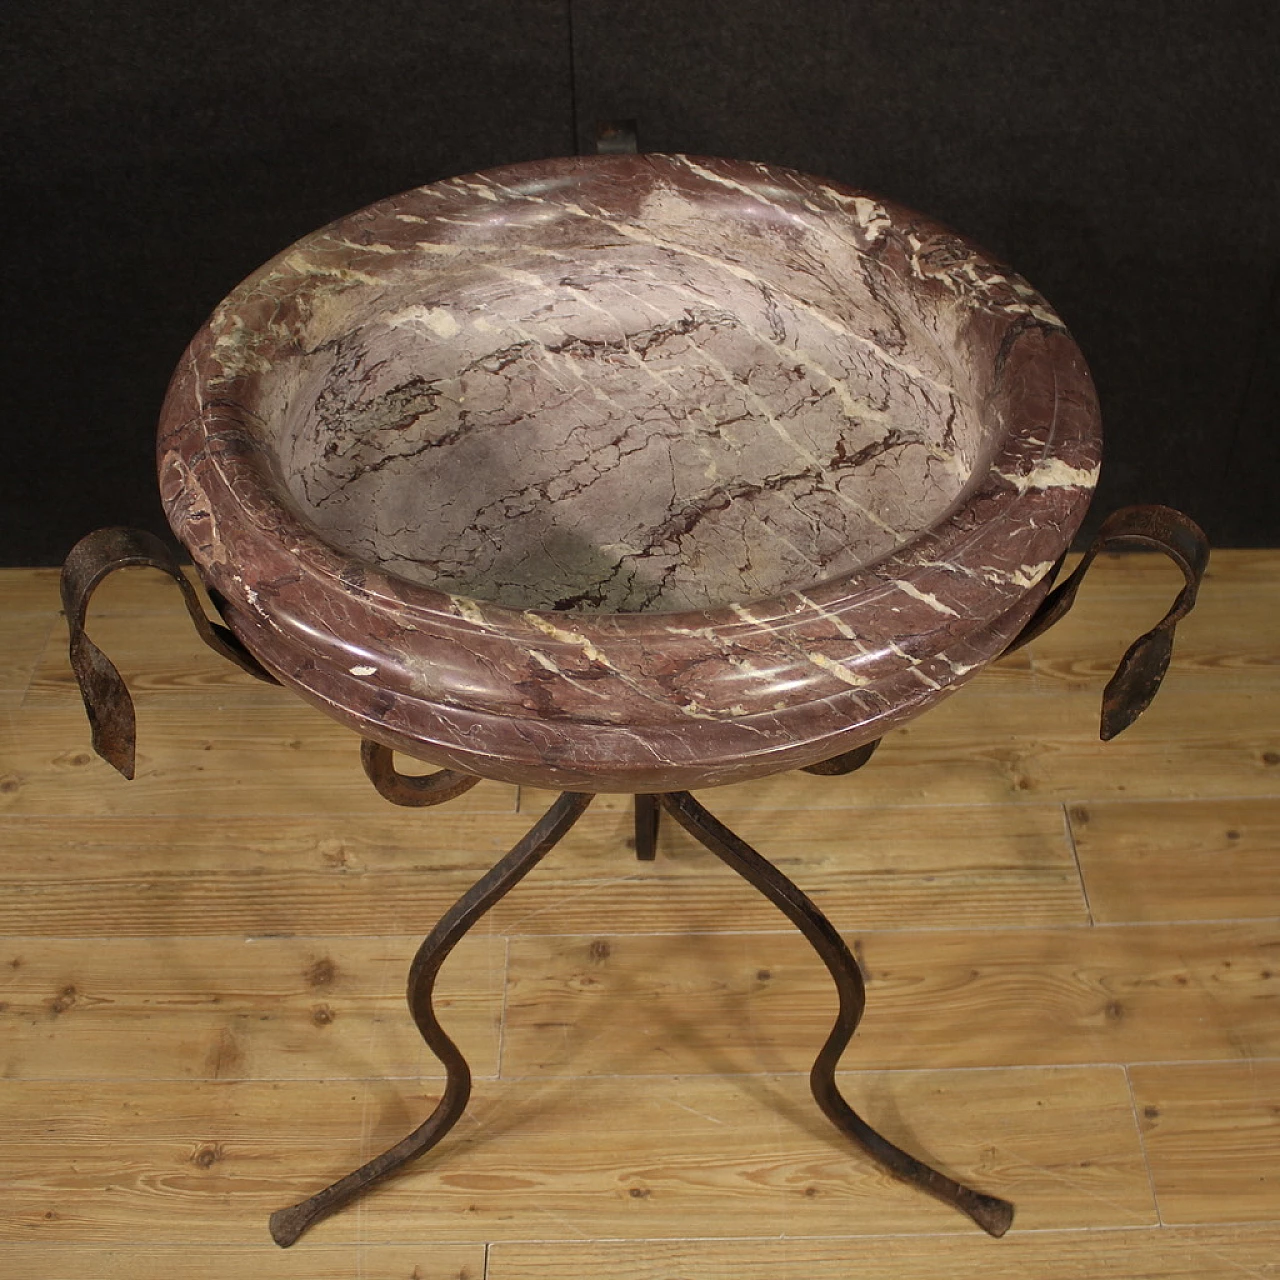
[1123, 156]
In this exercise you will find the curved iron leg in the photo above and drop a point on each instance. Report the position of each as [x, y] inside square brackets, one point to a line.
[993, 1215]
[288, 1224]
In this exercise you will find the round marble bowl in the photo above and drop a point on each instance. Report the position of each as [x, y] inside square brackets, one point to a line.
[629, 473]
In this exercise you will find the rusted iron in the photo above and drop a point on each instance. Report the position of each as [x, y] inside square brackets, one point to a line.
[839, 765]
[991, 1213]
[288, 1224]
[648, 813]
[414, 791]
[1137, 679]
[106, 698]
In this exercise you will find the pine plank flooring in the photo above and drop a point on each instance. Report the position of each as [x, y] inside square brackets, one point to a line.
[1072, 954]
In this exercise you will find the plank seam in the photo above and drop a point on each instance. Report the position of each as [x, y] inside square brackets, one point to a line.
[1142, 1146]
[1075, 856]
[709, 1074]
[502, 1014]
[25, 692]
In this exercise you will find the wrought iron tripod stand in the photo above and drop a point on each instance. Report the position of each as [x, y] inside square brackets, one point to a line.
[989, 1212]
[111, 716]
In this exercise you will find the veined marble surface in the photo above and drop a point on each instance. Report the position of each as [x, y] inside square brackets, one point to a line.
[621, 415]
[629, 472]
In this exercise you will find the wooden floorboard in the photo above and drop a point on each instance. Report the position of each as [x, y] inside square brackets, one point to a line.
[1072, 953]
[231, 1008]
[142, 1260]
[1141, 1254]
[164, 663]
[266, 760]
[397, 870]
[762, 1002]
[208, 1161]
[1195, 860]
[983, 747]
[1212, 1136]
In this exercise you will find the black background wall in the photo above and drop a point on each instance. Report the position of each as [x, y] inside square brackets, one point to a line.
[1124, 156]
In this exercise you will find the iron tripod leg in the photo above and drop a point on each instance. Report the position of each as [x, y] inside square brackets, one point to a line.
[993, 1215]
[288, 1224]
[648, 811]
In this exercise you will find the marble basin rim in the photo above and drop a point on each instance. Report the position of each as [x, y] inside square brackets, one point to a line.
[629, 473]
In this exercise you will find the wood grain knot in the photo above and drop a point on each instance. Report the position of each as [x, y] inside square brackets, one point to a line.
[206, 1156]
[64, 1000]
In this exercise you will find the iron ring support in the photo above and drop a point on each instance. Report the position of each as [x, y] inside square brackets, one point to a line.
[992, 1214]
[1137, 679]
[848, 762]
[413, 791]
[288, 1224]
[106, 697]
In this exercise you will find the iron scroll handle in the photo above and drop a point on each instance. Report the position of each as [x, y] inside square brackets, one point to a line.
[106, 697]
[1137, 679]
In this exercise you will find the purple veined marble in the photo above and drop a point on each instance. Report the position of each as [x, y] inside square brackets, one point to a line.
[629, 473]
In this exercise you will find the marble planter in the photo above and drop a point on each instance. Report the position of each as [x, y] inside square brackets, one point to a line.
[629, 473]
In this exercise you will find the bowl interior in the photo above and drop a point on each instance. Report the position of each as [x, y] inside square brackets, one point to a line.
[682, 409]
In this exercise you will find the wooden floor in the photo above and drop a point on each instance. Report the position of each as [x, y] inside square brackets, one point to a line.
[1073, 954]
